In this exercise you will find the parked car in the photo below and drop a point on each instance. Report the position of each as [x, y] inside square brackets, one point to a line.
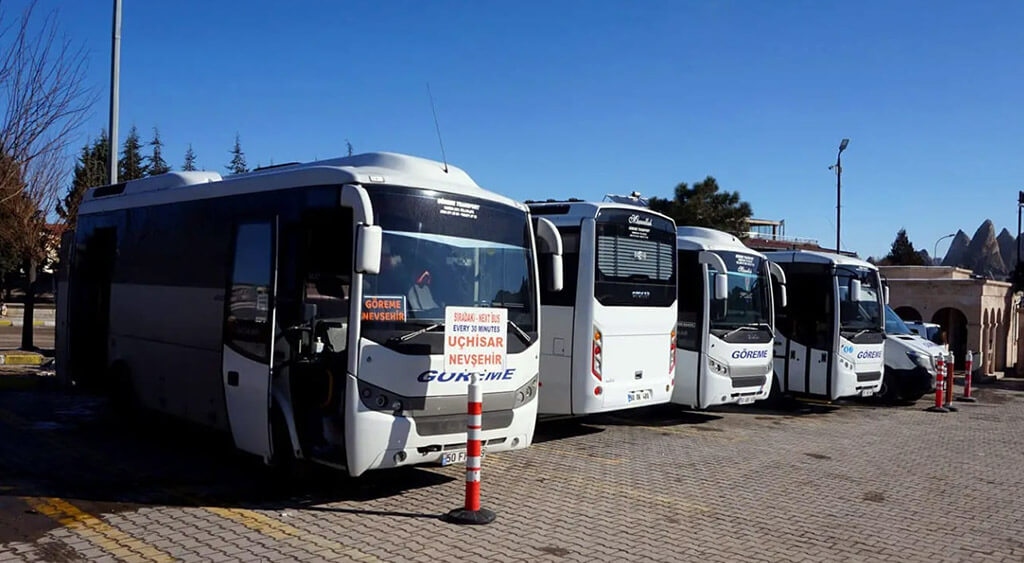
[929, 331]
[910, 362]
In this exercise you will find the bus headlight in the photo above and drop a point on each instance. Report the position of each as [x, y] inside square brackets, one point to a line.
[526, 393]
[718, 367]
[378, 399]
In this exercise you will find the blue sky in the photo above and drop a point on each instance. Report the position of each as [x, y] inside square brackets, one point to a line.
[559, 99]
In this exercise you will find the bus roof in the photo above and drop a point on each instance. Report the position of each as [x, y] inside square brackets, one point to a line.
[367, 169]
[578, 209]
[816, 257]
[703, 238]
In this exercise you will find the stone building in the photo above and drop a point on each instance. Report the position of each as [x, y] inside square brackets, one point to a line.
[976, 313]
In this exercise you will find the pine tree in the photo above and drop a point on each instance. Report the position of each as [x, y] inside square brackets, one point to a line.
[91, 170]
[131, 166]
[237, 164]
[705, 205]
[157, 164]
[190, 160]
[902, 252]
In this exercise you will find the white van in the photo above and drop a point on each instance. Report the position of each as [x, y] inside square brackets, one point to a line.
[910, 362]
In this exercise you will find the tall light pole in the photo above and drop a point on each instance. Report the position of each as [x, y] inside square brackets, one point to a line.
[838, 166]
[115, 71]
[935, 250]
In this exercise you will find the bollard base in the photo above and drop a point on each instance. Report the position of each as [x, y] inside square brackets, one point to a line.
[463, 516]
[937, 409]
[951, 408]
[967, 399]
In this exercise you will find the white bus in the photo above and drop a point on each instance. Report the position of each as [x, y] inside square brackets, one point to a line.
[300, 308]
[726, 324]
[608, 335]
[830, 338]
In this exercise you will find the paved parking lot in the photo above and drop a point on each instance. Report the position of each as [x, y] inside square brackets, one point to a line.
[858, 482]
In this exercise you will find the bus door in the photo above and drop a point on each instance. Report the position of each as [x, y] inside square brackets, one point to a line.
[249, 336]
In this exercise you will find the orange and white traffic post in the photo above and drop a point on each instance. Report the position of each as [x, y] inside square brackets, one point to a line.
[940, 387]
[968, 366]
[949, 383]
[471, 512]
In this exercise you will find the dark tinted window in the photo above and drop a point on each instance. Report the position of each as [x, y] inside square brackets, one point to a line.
[691, 301]
[809, 315]
[635, 259]
[248, 318]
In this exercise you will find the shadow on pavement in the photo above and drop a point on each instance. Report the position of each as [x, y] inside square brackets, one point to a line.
[60, 444]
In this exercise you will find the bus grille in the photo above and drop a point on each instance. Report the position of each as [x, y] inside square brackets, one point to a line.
[869, 376]
[752, 381]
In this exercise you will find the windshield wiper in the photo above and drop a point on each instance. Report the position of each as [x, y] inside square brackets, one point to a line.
[739, 329]
[860, 332]
[522, 333]
[410, 335]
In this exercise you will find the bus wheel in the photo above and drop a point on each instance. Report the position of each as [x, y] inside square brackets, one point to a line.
[120, 387]
[283, 459]
[888, 393]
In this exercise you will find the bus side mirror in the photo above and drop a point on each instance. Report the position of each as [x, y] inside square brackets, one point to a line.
[549, 246]
[368, 247]
[854, 290]
[555, 281]
[885, 294]
[721, 285]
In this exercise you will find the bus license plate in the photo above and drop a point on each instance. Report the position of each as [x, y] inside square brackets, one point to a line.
[449, 458]
[866, 392]
[746, 400]
[641, 395]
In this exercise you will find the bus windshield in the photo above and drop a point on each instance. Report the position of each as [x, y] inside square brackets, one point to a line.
[482, 259]
[864, 314]
[747, 302]
[635, 261]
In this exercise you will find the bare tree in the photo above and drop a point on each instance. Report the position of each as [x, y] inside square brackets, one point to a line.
[44, 101]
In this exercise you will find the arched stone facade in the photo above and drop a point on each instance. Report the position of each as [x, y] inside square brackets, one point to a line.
[948, 296]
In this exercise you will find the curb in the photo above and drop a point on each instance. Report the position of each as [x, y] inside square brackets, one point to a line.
[21, 359]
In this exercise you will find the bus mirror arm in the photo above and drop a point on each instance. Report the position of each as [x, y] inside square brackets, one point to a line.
[555, 282]
[716, 263]
[780, 278]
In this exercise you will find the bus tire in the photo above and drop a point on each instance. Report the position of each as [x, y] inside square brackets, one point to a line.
[283, 458]
[120, 388]
[888, 393]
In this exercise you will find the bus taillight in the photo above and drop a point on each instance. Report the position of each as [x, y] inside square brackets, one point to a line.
[595, 356]
[672, 353]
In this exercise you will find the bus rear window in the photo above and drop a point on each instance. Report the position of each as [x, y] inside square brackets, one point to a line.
[635, 259]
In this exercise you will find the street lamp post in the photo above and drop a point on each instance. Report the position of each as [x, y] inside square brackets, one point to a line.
[115, 72]
[838, 166]
[935, 250]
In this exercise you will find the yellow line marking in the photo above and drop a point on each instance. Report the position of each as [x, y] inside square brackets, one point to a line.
[103, 535]
[291, 535]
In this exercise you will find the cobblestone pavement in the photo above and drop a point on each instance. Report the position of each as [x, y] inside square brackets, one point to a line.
[857, 482]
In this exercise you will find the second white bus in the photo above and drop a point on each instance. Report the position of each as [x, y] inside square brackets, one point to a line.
[608, 340]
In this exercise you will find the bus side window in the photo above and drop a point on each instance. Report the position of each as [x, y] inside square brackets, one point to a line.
[690, 323]
[327, 255]
[248, 320]
[570, 270]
